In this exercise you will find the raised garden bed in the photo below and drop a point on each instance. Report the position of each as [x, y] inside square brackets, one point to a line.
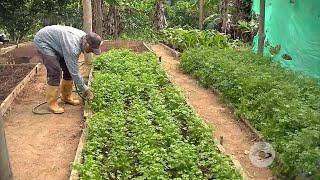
[23, 53]
[13, 78]
[5, 45]
[10, 76]
[183, 125]
[283, 106]
[137, 46]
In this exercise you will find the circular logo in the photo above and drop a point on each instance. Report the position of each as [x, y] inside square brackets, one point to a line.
[261, 154]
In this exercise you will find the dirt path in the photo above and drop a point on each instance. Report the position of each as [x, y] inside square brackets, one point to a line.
[41, 146]
[237, 139]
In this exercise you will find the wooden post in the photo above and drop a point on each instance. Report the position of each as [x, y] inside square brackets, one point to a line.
[201, 12]
[87, 24]
[5, 168]
[261, 27]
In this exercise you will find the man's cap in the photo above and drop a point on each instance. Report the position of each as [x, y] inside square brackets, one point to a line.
[94, 41]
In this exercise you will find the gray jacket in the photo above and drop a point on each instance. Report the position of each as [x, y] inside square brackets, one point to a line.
[63, 41]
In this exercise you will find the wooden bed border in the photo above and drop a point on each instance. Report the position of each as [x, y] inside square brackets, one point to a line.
[5, 105]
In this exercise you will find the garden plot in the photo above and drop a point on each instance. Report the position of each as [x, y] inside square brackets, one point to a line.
[234, 135]
[282, 105]
[24, 53]
[143, 128]
[42, 147]
[10, 76]
[13, 79]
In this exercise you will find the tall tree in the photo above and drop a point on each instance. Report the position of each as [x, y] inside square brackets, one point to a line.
[201, 13]
[159, 16]
[97, 17]
[113, 26]
[225, 9]
[19, 17]
[87, 23]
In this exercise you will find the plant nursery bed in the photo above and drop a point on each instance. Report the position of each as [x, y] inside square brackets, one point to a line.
[141, 127]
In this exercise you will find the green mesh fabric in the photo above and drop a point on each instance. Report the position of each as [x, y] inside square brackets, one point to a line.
[293, 26]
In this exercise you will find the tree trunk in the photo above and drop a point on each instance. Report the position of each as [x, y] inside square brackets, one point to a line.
[238, 10]
[87, 24]
[97, 17]
[261, 27]
[238, 33]
[225, 9]
[201, 13]
[113, 22]
[5, 169]
[159, 16]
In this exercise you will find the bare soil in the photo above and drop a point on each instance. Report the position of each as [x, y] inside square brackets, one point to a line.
[237, 138]
[10, 76]
[41, 146]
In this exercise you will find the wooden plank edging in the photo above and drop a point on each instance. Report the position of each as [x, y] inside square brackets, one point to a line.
[7, 49]
[87, 113]
[172, 51]
[147, 47]
[5, 105]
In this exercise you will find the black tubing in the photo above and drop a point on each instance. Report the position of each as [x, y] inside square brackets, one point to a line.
[35, 109]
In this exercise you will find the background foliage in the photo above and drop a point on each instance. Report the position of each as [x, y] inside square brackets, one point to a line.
[22, 18]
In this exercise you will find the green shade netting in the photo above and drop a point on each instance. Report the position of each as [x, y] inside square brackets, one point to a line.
[293, 25]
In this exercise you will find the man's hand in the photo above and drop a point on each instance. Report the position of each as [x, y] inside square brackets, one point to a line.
[88, 94]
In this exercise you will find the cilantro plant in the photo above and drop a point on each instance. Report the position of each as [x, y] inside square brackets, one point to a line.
[284, 106]
[142, 127]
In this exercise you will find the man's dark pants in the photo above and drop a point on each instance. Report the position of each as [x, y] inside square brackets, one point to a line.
[55, 65]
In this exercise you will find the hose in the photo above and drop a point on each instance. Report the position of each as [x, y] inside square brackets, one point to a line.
[35, 109]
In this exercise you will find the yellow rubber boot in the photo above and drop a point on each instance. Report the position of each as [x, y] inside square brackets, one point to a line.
[66, 91]
[52, 99]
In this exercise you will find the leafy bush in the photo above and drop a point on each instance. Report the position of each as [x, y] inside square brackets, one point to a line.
[282, 105]
[186, 12]
[181, 39]
[137, 20]
[142, 127]
[183, 13]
